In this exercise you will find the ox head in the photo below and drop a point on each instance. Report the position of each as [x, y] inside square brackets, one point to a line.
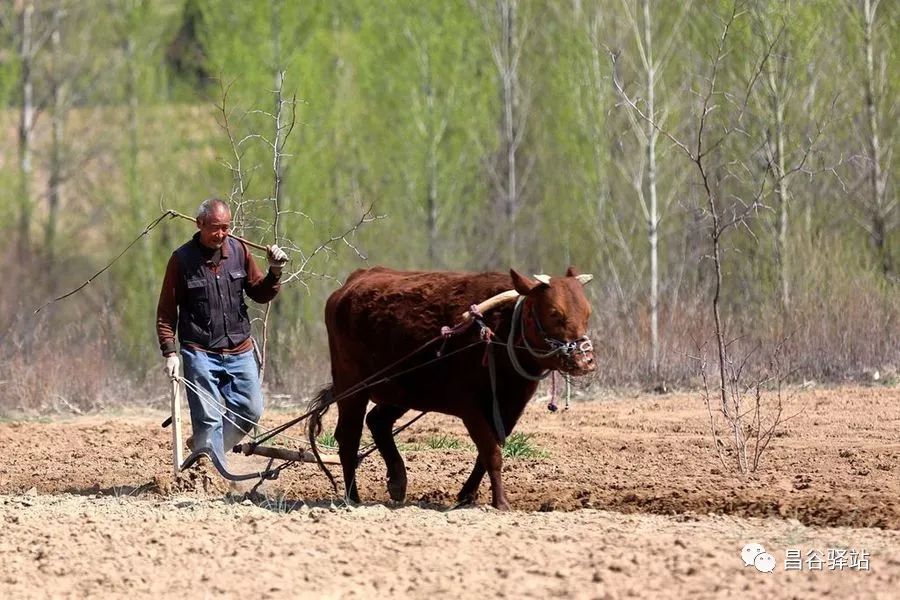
[555, 320]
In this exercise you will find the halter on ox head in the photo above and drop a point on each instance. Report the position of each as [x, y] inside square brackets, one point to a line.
[554, 320]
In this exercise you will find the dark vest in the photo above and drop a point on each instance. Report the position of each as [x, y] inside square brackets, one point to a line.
[213, 313]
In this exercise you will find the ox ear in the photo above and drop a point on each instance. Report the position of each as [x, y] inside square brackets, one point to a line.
[523, 284]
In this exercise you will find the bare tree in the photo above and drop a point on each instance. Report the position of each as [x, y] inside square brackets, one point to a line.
[879, 207]
[30, 42]
[431, 120]
[274, 141]
[776, 92]
[55, 75]
[507, 30]
[284, 118]
[782, 81]
[727, 209]
[59, 103]
[645, 178]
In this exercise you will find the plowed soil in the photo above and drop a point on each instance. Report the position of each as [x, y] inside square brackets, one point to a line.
[640, 504]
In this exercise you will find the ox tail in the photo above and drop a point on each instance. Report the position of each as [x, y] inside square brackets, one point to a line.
[320, 404]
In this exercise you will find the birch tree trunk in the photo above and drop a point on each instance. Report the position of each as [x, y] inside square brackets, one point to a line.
[271, 310]
[653, 208]
[508, 65]
[781, 201]
[58, 119]
[26, 127]
[506, 34]
[432, 124]
[877, 204]
[777, 83]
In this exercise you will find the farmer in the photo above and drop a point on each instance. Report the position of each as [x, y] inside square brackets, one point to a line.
[202, 297]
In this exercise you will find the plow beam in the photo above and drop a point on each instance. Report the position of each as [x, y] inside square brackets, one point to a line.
[248, 448]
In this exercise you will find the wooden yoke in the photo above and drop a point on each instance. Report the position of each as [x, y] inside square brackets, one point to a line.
[492, 302]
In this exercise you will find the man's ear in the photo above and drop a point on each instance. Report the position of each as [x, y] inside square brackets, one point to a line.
[199, 224]
[524, 285]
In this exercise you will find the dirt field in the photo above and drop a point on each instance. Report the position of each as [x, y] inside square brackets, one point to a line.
[629, 499]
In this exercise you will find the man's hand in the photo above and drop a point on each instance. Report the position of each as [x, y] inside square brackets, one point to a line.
[172, 364]
[277, 258]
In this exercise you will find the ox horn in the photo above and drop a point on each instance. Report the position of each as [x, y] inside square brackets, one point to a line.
[545, 279]
[584, 278]
[493, 302]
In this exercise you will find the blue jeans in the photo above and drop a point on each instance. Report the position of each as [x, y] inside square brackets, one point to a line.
[229, 378]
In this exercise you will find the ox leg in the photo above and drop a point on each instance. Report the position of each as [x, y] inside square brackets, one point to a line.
[469, 491]
[489, 456]
[381, 421]
[347, 433]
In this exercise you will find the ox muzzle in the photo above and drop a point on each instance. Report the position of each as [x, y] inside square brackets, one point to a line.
[576, 357]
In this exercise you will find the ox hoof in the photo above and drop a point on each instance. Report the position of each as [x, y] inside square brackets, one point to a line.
[501, 504]
[397, 488]
[466, 498]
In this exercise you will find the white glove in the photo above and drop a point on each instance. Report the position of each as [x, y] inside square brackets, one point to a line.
[277, 258]
[172, 364]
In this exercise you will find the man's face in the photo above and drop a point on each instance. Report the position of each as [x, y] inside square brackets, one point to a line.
[214, 228]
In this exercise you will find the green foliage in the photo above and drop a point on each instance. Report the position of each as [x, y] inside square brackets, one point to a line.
[397, 100]
[519, 445]
[443, 442]
[326, 440]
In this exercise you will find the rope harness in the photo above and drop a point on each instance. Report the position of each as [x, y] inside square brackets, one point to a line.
[568, 350]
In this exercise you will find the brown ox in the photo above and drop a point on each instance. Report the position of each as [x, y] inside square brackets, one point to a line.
[381, 316]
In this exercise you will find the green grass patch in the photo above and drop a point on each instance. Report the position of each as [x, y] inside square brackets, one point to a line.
[519, 445]
[326, 439]
[442, 442]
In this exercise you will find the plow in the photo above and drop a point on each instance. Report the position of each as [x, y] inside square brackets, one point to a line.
[287, 457]
[557, 341]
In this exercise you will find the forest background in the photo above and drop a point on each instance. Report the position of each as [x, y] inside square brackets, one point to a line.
[439, 134]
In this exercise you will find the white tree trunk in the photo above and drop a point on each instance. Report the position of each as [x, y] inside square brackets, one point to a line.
[653, 208]
[777, 80]
[877, 208]
[26, 126]
[58, 119]
[510, 77]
